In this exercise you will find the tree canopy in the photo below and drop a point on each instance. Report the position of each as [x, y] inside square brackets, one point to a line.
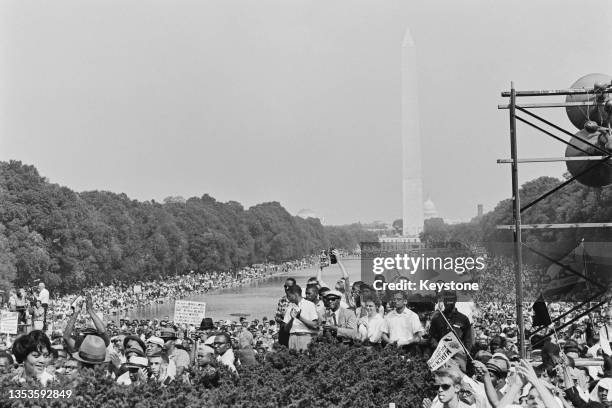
[575, 203]
[70, 240]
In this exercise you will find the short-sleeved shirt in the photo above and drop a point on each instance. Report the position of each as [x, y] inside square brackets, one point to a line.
[375, 329]
[43, 296]
[308, 311]
[402, 327]
[180, 358]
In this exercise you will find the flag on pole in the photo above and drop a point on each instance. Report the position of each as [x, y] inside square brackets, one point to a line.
[541, 317]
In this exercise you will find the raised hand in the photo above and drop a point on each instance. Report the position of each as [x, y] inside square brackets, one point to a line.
[115, 359]
[527, 372]
[142, 374]
[480, 368]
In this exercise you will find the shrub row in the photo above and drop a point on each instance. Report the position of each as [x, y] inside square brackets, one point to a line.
[330, 375]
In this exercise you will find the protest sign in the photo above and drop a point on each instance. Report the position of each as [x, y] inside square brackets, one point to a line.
[137, 289]
[448, 346]
[189, 312]
[8, 322]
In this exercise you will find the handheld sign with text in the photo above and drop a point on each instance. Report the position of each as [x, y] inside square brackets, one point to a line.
[189, 312]
[8, 322]
[448, 346]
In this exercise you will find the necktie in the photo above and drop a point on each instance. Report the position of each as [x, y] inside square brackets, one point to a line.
[335, 321]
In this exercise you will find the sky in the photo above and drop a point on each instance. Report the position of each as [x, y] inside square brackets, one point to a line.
[296, 101]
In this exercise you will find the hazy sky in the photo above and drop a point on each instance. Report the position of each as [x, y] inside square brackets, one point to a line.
[285, 100]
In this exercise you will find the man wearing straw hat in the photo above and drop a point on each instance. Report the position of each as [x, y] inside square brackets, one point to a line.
[91, 353]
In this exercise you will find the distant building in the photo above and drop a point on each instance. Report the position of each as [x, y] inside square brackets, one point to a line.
[454, 221]
[480, 210]
[308, 213]
[399, 240]
[379, 227]
[429, 210]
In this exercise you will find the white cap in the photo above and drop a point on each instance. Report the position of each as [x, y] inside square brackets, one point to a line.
[156, 340]
[336, 293]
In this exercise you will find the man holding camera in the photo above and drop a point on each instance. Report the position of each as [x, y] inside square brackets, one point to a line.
[43, 296]
[340, 322]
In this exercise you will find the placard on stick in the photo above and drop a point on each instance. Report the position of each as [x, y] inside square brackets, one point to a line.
[189, 312]
[8, 322]
[448, 346]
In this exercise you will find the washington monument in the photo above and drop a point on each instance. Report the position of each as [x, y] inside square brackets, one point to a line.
[411, 142]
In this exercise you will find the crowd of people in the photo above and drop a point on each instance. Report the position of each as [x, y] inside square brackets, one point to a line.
[121, 299]
[487, 371]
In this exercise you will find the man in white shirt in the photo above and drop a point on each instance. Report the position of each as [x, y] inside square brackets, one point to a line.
[402, 325]
[312, 295]
[301, 319]
[43, 296]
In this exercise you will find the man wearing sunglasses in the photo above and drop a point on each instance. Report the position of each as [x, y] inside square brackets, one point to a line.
[448, 386]
[223, 350]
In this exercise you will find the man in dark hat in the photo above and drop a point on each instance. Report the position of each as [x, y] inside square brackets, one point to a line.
[207, 324]
[493, 373]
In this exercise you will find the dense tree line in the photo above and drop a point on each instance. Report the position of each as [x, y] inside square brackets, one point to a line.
[70, 240]
[575, 203]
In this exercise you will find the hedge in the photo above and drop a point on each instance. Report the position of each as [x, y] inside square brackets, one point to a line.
[330, 375]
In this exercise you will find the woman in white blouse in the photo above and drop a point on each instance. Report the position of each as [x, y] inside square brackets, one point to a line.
[371, 326]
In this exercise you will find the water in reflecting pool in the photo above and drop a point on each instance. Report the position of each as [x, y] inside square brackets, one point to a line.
[255, 300]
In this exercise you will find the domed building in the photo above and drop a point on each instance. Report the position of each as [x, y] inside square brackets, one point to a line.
[429, 209]
[307, 213]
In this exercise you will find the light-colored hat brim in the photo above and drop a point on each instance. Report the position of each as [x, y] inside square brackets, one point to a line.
[77, 357]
